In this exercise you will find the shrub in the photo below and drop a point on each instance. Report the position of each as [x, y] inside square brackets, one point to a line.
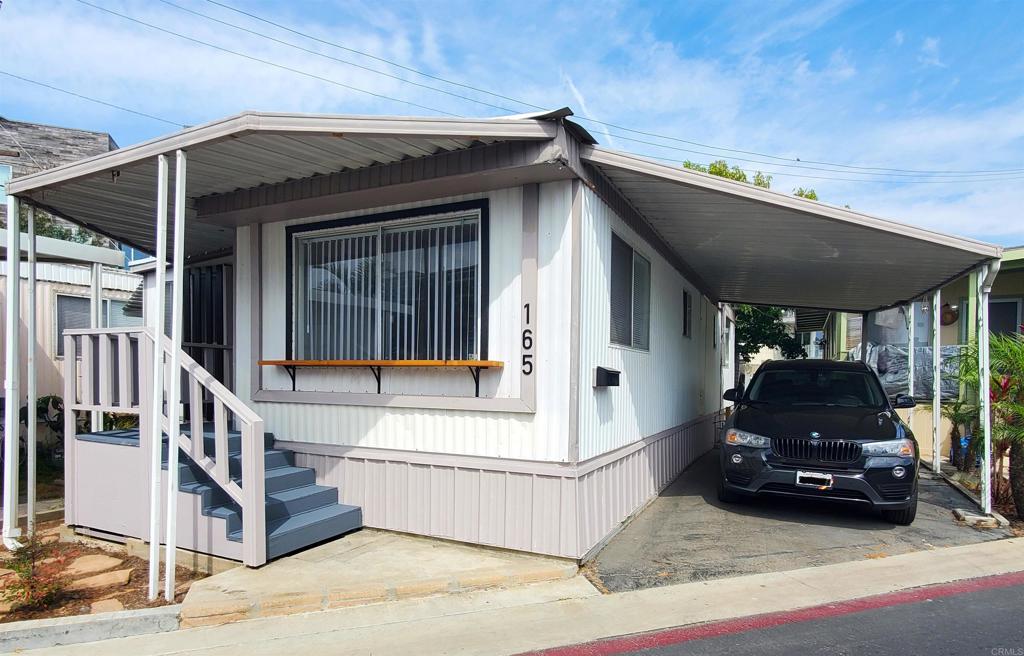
[37, 584]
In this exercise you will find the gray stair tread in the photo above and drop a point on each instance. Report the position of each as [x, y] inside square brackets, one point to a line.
[286, 525]
[297, 493]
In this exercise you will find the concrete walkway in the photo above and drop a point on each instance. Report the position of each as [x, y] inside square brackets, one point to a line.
[366, 567]
[564, 612]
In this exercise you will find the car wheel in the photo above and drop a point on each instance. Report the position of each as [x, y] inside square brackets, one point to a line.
[903, 517]
[725, 495]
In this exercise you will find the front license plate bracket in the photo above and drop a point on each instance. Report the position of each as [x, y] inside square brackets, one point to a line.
[817, 480]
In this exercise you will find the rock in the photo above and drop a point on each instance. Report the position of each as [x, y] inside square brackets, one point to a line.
[6, 576]
[92, 564]
[105, 606]
[107, 579]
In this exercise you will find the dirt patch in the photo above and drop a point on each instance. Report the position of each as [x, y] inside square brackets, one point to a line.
[130, 595]
[1008, 511]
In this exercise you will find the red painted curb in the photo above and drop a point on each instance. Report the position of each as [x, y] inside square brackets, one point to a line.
[678, 635]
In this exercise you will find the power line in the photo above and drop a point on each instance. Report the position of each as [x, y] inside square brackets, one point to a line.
[582, 117]
[92, 100]
[371, 56]
[265, 61]
[334, 59]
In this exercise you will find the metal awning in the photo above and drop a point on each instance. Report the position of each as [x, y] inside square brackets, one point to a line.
[115, 193]
[753, 245]
[809, 321]
[49, 249]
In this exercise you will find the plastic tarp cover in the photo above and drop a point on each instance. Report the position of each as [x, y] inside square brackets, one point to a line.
[891, 362]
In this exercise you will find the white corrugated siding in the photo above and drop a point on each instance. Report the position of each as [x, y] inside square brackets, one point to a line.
[539, 436]
[665, 386]
[75, 274]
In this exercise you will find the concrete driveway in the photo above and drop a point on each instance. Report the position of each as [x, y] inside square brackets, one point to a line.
[687, 535]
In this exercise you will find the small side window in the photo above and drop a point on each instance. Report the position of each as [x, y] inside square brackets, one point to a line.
[630, 296]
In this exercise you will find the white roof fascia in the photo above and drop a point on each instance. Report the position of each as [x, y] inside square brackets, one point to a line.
[282, 123]
[641, 165]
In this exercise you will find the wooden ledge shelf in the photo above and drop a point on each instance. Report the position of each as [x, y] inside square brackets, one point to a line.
[375, 366]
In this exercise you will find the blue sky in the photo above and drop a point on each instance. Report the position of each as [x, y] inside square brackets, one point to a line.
[912, 86]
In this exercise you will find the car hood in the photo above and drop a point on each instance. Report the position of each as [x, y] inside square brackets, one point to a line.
[827, 421]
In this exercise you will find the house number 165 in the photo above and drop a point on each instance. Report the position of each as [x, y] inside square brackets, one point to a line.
[527, 343]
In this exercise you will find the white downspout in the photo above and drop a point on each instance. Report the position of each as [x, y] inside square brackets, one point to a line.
[936, 380]
[12, 394]
[30, 374]
[174, 426]
[156, 403]
[987, 278]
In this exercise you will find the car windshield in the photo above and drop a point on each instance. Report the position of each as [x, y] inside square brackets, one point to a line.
[829, 387]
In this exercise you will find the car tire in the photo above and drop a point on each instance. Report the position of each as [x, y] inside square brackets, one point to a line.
[903, 517]
[725, 495]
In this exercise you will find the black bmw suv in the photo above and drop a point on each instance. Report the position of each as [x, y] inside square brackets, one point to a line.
[820, 429]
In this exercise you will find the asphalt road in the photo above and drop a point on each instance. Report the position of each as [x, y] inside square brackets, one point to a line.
[687, 535]
[980, 618]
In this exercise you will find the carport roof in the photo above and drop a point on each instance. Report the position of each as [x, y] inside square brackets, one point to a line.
[753, 245]
[739, 243]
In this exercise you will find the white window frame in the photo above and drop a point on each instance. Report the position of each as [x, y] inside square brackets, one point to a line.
[378, 228]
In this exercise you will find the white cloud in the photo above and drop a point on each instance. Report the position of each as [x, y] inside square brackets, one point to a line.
[898, 37]
[929, 54]
[609, 64]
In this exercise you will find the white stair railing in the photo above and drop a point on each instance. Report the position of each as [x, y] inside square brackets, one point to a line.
[89, 385]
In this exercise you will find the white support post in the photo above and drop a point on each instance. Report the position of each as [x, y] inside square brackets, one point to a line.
[96, 321]
[936, 380]
[156, 402]
[174, 389]
[985, 279]
[30, 375]
[12, 394]
[910, 360]
[864, 337]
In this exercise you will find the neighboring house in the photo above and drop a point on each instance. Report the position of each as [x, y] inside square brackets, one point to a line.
[487, 330]
[27, 148]
[63, 297]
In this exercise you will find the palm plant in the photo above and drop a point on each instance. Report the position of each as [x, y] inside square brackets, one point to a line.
[1006, 394]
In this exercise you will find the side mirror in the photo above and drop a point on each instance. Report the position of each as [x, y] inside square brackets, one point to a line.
[903, 401]
[731, 395]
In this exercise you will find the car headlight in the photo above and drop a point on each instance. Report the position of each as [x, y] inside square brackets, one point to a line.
[903, 448]
[743, 438]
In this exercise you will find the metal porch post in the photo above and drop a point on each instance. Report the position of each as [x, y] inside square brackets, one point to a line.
[985, 279]
[12, 395]
[173, 392]
[96, 321]
[864, 337]
[936, 380]
[910, 361]
[30, 374]
[156, 402]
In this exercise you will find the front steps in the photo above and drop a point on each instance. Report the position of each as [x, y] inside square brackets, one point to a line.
[299, 512]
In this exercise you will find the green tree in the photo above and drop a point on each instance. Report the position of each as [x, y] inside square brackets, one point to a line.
[757, 326]
[722, 169]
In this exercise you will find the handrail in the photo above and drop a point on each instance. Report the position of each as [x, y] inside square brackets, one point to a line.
[97, 376]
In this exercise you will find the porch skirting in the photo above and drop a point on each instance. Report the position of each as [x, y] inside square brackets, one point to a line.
[542, 507]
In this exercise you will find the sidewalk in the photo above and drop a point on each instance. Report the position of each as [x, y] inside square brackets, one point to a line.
[565, 612]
